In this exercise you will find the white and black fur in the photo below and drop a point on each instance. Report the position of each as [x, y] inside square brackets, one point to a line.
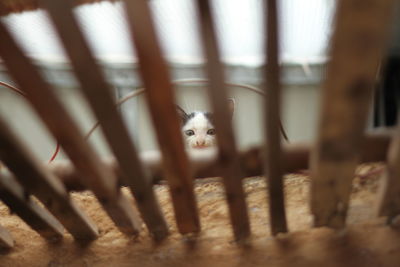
[198, 127]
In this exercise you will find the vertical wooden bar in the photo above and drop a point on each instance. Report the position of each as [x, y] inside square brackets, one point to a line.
[388, 203]
[6, 240]
[228, 156]
[357, 46]
[98, 177]
[273, 159]
[46, 187]
[99, 95]
[38, 218]
[160, 98]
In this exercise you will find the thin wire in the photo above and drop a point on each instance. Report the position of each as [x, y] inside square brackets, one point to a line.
[53, 157]
[22, 93]
[141, 91]
[186, 81]
[13, 88]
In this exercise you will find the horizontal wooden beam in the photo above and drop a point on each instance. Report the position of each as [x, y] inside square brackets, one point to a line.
[205, 164]
[9, 7]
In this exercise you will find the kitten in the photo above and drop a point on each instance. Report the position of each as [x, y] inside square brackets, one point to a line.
[198, 127]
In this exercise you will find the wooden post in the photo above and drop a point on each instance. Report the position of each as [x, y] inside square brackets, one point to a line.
[38, 218]
[46, 187]
[388, 203]
[97, 177]
[160, 99]
[228, 158]
[99, 95]
[273, 157]
[357, 47]
[6, 240]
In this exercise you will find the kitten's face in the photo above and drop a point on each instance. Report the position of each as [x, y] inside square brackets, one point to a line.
[198, 127]
[198, 130]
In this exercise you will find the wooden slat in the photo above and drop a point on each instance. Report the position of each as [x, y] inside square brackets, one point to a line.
[19, 6]
[205, 164]
[388, 203]
[273, 159]
[98, 177]
[46, 187]
[38, 218]
[99, 95]
[160, 99]
[6, 240]
[228, 157]
[357, 46]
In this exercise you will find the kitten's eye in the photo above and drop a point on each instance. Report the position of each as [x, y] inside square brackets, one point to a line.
[189, 132]
[211, 132]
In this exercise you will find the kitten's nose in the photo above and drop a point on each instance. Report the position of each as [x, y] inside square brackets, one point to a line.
[200, 142]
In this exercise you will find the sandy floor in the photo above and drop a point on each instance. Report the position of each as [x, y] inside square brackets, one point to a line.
[366, 242]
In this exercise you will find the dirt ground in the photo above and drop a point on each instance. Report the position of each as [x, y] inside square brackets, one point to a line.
[366, 242]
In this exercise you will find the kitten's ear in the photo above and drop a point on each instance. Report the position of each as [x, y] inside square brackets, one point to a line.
[182, 114]
[231, 106]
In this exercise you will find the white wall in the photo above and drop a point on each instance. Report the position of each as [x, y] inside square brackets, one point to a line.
[26, 124]
[239, 28]
[300, 111]
[300, 105]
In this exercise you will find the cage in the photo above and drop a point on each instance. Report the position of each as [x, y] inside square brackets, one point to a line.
[224, 205]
